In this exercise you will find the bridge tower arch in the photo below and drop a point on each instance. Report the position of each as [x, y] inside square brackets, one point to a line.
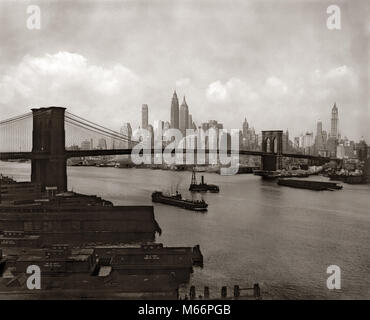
[272, 146]
[49, 167]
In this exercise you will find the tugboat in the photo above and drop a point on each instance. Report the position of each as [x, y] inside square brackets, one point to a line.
[202, 187]
[178, 201]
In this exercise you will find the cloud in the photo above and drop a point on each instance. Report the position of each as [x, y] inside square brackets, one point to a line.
[277, 85]
[275, 101]
[233, 90]
[217, 92]
[68, 79]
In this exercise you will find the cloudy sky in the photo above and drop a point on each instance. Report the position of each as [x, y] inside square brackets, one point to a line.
[274, 62]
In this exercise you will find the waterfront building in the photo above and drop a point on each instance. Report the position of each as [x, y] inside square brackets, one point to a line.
[126, 131]
[361, 150]
[332, 146]
[320, 139]
[102, 144]
[340, 151]
[249, 137]
[306, 143]
[296, 143]
[286, 146]
[86, 145]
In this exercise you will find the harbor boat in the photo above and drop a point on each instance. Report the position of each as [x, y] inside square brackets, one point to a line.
[272, 175]
[246, 169]
[178, 201]
[202, 186]
[267, 175]
[348, 178]
[308, 184]
[200, 169]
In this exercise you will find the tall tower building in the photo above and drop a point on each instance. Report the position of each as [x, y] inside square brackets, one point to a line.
[144, 116]
[245, 128]
[184, 117]
[334, 122]
[319, 128]
[319, 139]
[175, 111]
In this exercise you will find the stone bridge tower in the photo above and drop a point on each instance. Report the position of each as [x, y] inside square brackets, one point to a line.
[272, 145]
[48, 148]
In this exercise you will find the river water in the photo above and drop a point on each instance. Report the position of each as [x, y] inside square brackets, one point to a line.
[254, 230]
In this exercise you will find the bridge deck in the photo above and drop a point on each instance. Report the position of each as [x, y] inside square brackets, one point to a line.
[95, 153]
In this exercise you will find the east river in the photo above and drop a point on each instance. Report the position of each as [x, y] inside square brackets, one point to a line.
[254, 230]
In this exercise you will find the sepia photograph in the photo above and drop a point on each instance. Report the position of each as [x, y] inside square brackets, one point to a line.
[203, 151]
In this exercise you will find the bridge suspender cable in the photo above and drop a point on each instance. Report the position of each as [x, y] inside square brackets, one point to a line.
[96, 131]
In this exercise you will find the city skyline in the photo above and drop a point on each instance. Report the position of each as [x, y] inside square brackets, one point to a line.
[281, 73]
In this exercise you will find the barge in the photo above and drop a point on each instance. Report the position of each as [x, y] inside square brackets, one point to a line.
[308, 184]
[272, 175]
[177, 201]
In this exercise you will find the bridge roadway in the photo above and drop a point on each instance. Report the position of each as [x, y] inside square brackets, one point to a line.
[108, 152]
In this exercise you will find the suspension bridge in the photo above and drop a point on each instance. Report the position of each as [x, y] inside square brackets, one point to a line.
[49, 136]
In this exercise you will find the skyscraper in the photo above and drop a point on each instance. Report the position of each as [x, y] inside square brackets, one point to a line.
[245, 128]
[319, 128]
[334, 122]
[144, 116]
[319, 139]
[126, 130]
[190, 121]
[184, 117]
[175, 111]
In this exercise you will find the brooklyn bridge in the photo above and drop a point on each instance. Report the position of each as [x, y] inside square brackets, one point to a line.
[44, 136]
